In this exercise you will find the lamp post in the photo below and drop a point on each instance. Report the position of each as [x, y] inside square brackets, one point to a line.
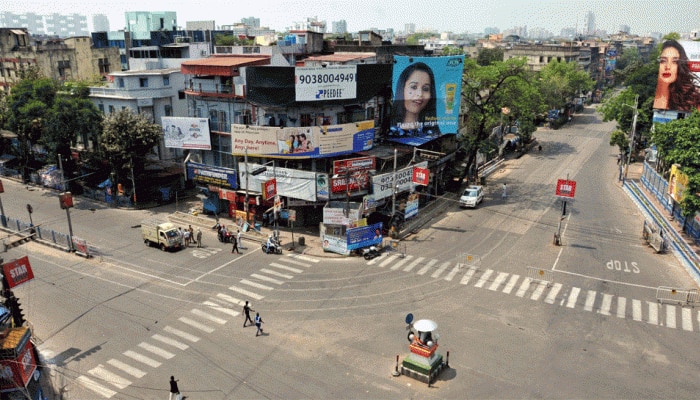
[634, 127]
[245, 206]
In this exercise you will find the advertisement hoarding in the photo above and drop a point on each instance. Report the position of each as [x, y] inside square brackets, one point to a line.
[205, 175]
[302, 142]
[678, 81]
[186, 133]
[330, 82]
[17, 272]
[382, 184]
[364, 236]
[677, 183]
[292, 183]
[426, 98]
[354, 164]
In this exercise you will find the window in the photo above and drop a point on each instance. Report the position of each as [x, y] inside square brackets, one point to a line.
[120, 82]
[143, 82]
[101, 107]
[167, 110]
[111, 109]
[166, 80]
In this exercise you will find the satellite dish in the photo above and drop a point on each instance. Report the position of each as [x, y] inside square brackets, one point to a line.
[409, 318]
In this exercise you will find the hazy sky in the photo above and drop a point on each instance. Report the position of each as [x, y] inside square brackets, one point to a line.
[458, 16]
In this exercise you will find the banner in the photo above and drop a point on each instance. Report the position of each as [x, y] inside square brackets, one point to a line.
[364, 236]
[382, 184]
[290, 182]
[17, 272]
[354, 164]
[678, 81]
[186, 133]
[302, 142]
[426, 101]
[331, 82]
[677, 183]
[203, 174]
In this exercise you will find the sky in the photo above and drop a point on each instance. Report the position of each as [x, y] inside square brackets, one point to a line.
[457, 16]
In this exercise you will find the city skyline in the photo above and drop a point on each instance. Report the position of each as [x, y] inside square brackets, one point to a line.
[469, 16]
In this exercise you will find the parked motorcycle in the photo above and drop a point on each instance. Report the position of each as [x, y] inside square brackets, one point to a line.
[370, 252]
[274, 248]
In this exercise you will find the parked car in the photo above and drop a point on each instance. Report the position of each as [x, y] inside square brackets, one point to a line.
[472, 196]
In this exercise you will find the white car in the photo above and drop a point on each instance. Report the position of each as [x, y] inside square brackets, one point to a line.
[472, 196]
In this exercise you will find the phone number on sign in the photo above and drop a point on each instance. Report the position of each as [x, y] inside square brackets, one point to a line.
[312, 79]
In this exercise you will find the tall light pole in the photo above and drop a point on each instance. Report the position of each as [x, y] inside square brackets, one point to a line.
[245, 206]
[634, 127]
[393, 188]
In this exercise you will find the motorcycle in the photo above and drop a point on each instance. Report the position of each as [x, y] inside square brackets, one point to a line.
[370, 252]
[274, 248]
[225, 238]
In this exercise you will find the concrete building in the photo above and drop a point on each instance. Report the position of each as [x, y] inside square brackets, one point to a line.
[100, 23]
[142, 23]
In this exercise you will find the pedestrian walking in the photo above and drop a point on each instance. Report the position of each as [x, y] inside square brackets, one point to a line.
[182, 235]
[619, 159]
[246, 314]
[258, 324]
[240, 242]
[505, 194]
[199, 237]
[235, 245]
[174, 390]
[187, 238]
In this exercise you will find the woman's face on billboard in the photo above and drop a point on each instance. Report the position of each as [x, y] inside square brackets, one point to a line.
[668, 65]
[416, 92]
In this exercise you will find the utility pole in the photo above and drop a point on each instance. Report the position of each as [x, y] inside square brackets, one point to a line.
[245, 161]
[393, 188]
[634, 127]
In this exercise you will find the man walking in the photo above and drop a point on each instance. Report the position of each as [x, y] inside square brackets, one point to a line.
[235, 245]
[199, 237]
[174, 390]
[258, 324]
[240, 242]
[246, 314]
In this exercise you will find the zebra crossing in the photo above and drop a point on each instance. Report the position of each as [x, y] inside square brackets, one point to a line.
[105, 380]
[671, 316]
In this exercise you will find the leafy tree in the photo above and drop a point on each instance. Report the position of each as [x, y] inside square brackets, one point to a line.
[487, 56]
[560, 82]
[619, 138]
[452, 51]
[126, 140]
[486, 90]
[679, 143]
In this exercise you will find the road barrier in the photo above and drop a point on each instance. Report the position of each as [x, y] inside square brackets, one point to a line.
[541, 275]
[665, 294]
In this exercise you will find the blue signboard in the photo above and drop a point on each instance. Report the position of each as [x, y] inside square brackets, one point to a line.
[364, 236]
[209, 175]
[427, 93]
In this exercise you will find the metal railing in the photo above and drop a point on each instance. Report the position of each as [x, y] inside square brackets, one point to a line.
[540, 275]
[683, 297]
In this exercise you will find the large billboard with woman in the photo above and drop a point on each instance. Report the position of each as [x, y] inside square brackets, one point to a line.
[678, 82]
[426, 98]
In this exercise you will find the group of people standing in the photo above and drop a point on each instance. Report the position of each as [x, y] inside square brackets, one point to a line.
[189, 236]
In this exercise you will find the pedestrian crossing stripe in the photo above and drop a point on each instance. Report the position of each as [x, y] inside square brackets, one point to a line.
[182, 334]
[106, 376]
[95, 387]
[224, 310]
[142, 359]
[156, 350]
[669, 315]
[133, 371]
[172, 342]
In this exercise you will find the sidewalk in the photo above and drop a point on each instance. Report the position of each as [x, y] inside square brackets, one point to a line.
[689, 250]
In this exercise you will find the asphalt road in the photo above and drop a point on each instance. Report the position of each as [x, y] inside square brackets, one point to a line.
[119, 324]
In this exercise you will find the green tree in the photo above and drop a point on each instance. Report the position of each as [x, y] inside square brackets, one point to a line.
[486, 90]
[126, 140]
[678, 142]
[561, 82]
[619, 138]
[487, 56]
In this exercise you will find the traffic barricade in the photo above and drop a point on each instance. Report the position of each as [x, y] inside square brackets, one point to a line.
[665, 294]
[540, 275]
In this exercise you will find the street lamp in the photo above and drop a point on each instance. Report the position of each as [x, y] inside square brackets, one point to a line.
[634, 127]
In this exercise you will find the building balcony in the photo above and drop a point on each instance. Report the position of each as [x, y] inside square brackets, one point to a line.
[216, 90]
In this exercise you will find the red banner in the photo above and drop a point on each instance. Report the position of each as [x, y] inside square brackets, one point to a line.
[566, 188]
[421, 176]
[17, 272]
[340, 185]
[350, 165]
[269, 189]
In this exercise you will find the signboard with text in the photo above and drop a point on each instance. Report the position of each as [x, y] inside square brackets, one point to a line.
[269, 189]
[186, 133]
[566, 188]
[383, 185]
[330, 82]
[17, 272]
[420, 176]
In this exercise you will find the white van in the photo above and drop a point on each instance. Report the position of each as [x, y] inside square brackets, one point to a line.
[472, 196]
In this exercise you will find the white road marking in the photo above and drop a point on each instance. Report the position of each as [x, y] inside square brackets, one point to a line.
[523, 287]
[385, 262]
[95, 387]
[671, 316]
[590, 300]
[484, 278]
[247, 293]
[573, 296]
[170, 341]
[196, 324]
[441, 269]
[156, 350]
[541, 286]
[552, 295]
[215, 306]
[636, 310]
[102, 373]
[133, 371]
[687, 319]
[256, 285]
[621, 305]
[497, 282]
[142, 359]
[267, 279]
[427, 267]
[182, 334]
[412, 265]
[511, 284]
[286, 268]
[454, 272]
[653, 313]
[401, 262]
[275, 273]
[606, 304]
[208, 316]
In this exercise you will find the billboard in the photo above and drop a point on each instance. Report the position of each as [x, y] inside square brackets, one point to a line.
[302, 142]
[203, 174]
[426, 98]
[677, 183]
[364, 236]
[678, 81]
[382, 185]
[289, 182]
[331, 82]
[186, 133]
